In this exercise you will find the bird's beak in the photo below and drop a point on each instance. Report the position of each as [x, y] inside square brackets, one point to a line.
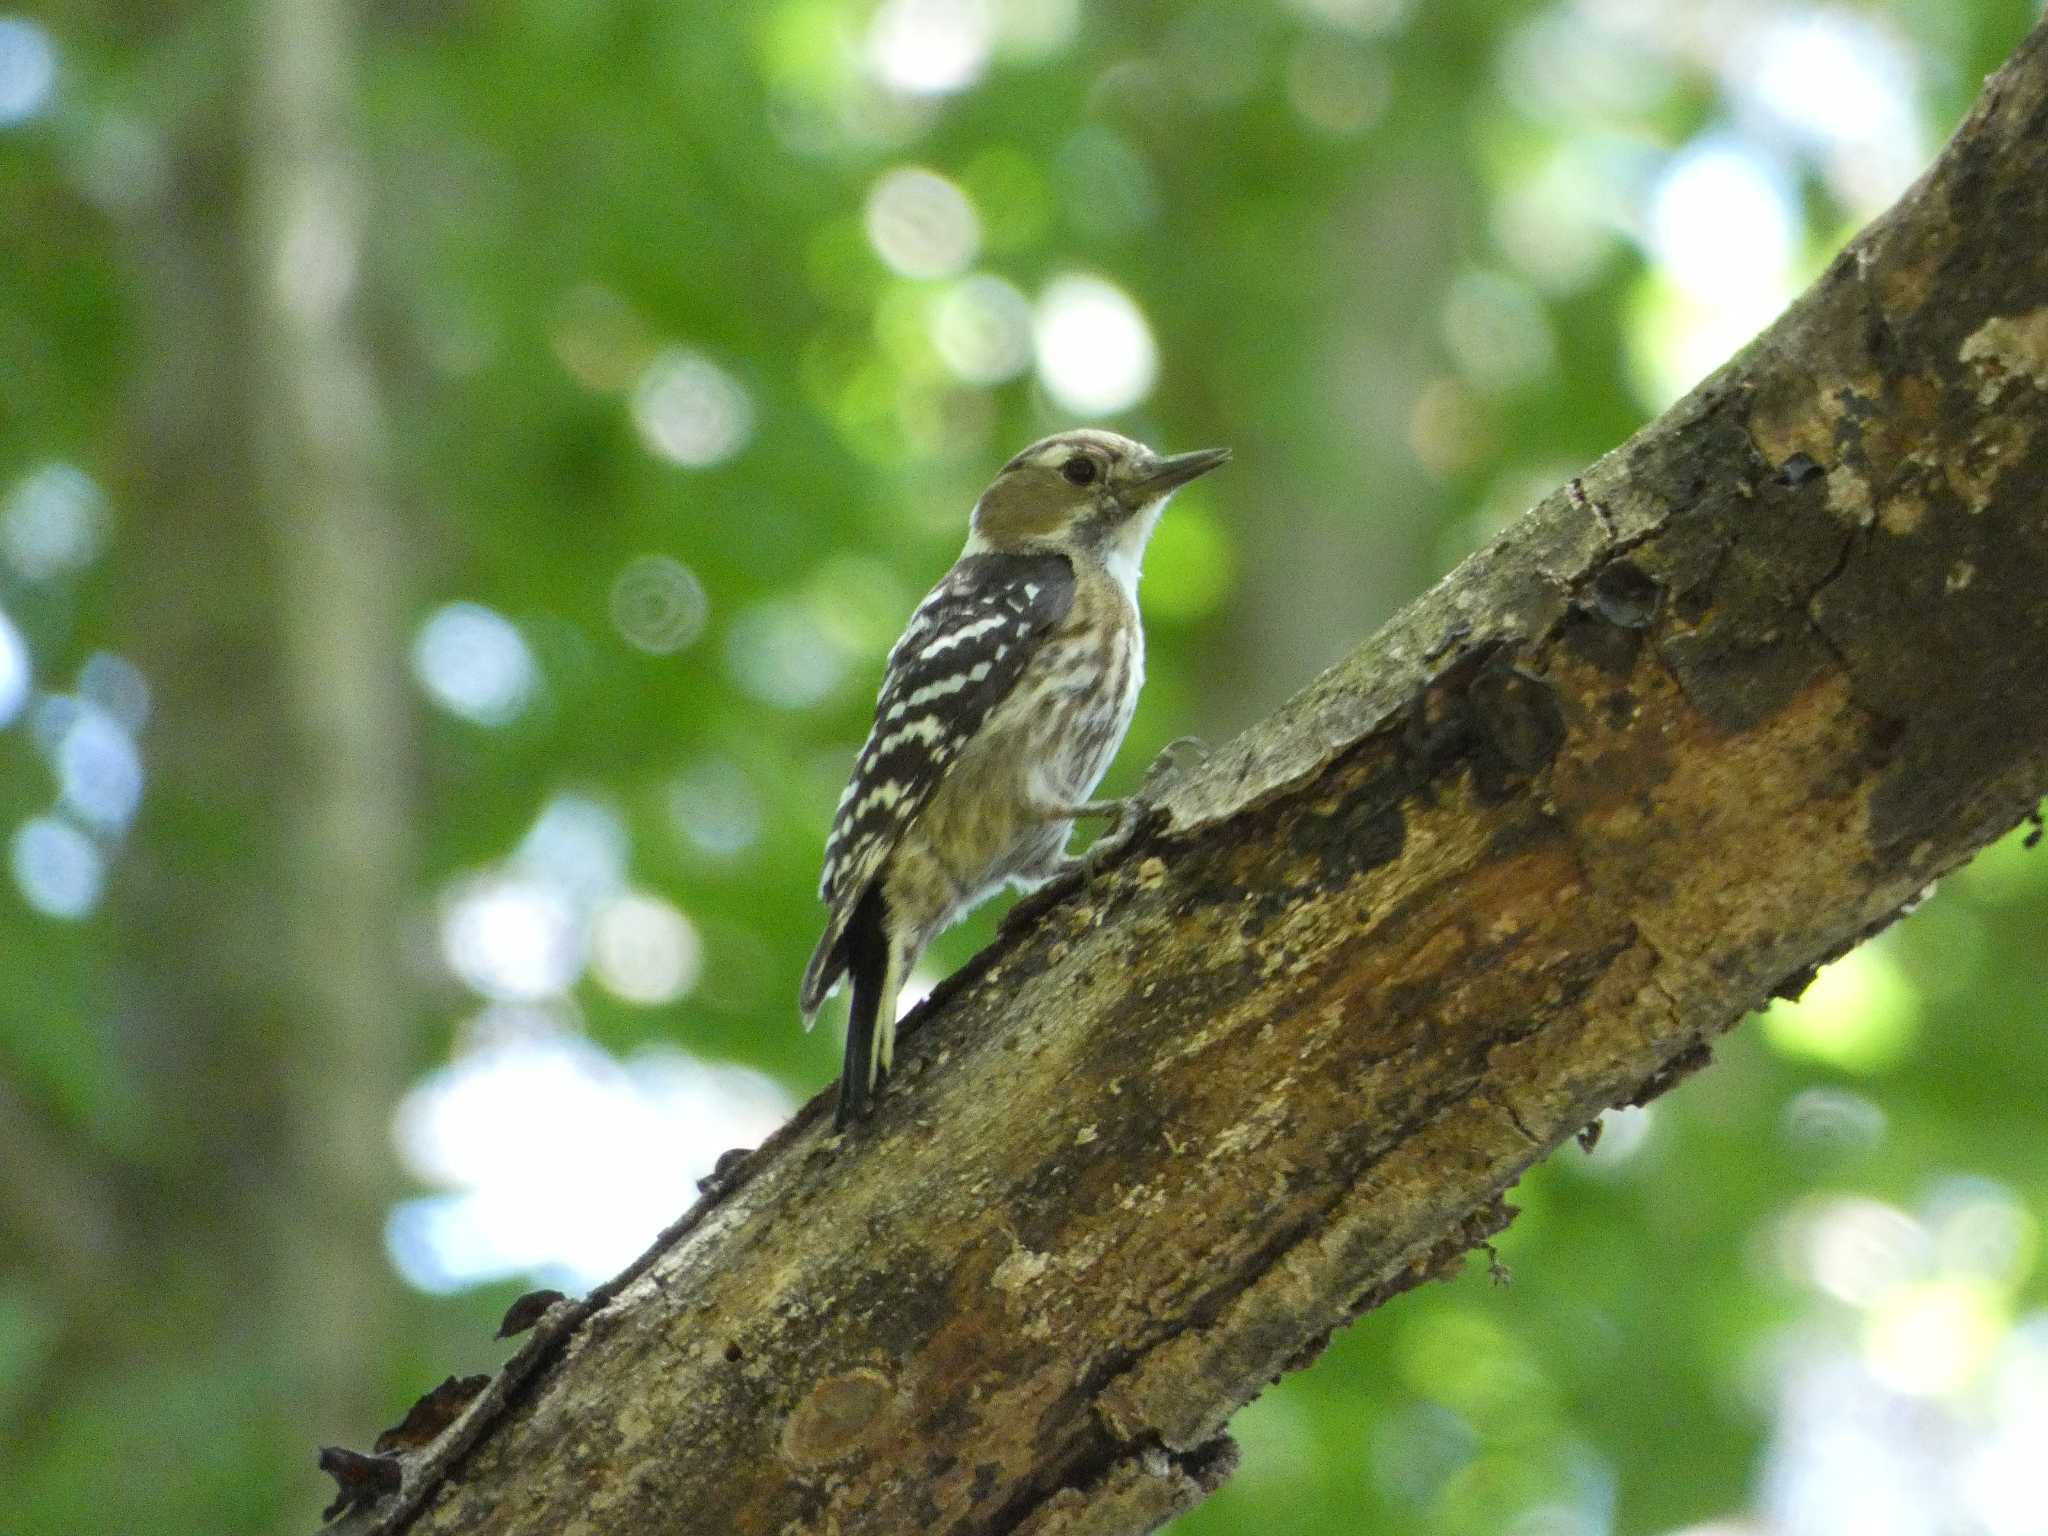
[1162, 477]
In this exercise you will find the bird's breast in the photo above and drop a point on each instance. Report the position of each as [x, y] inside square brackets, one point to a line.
[1081, 691]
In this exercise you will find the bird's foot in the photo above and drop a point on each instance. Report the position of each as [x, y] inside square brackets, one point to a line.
[1133, 815]
[1176, 760]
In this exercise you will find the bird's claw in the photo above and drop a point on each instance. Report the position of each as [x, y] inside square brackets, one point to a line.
[1075, 869]
[1175, 760]
[1131, 818]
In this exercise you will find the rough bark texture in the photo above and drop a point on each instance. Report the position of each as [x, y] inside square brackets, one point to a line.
[1699, 722]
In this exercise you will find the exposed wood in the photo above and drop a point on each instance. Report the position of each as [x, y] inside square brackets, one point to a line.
[1697, 723]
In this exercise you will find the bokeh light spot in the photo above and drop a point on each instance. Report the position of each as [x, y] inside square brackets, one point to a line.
[690, 411]
[1833, 1121]
[777, 652]
[1559, 218]
[716, 807]
[1572, 68]
[59, 869]
[1858, 1250]
[28, 70]
[1721, 221]
[319, 255]
[1722, 228]
[1624, 1134]
[1365, 17]
[474, 663]
[580, 846]
[120, 163]
[644, 951]
[15, 670]
[1981, 1228]
[54, 522]
[1342, 91]
[599, 338]
[658, 604]
[1860, 1014]
[527, 1134]
[981, 329]
[1498, 331]
[116, 685]
[1931, 1340]
[1846, 88]
[99, 771]
[1447, 431]
[921, 224]
[931, 47]
[511, 937]
[1419, 1448]
[1096, 355]
[1028, 31]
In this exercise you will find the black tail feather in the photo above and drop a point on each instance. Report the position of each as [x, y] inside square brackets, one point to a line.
[866, 947]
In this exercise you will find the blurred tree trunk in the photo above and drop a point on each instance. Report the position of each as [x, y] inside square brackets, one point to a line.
[1703, 720]
[263, 994]
[1316, 573]
[343, 580]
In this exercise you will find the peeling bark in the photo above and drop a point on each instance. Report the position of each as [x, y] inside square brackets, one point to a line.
[1700, 721]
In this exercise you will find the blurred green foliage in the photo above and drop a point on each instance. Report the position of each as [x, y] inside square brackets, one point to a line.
[681, 413]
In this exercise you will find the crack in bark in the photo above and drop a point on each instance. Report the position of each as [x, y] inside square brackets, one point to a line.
[1854, 538]
[1576, 489]
[1149, 1481]
[1501, 1102]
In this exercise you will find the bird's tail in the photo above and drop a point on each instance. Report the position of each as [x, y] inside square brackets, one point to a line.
[875, 970]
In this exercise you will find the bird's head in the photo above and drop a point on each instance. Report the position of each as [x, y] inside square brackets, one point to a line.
[1086, 492]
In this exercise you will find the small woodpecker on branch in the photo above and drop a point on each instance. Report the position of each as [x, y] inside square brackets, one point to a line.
[1003, 704]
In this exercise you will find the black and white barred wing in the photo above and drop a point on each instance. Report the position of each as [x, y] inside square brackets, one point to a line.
[962, 652]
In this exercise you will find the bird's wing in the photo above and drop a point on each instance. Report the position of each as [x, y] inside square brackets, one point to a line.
[962, 652]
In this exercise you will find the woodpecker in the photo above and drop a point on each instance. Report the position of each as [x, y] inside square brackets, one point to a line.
[1003, 703]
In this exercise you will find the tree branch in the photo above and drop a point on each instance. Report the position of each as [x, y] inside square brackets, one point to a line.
[1699, 722]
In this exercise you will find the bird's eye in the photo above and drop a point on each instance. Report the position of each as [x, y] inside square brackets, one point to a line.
[1080, 470]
